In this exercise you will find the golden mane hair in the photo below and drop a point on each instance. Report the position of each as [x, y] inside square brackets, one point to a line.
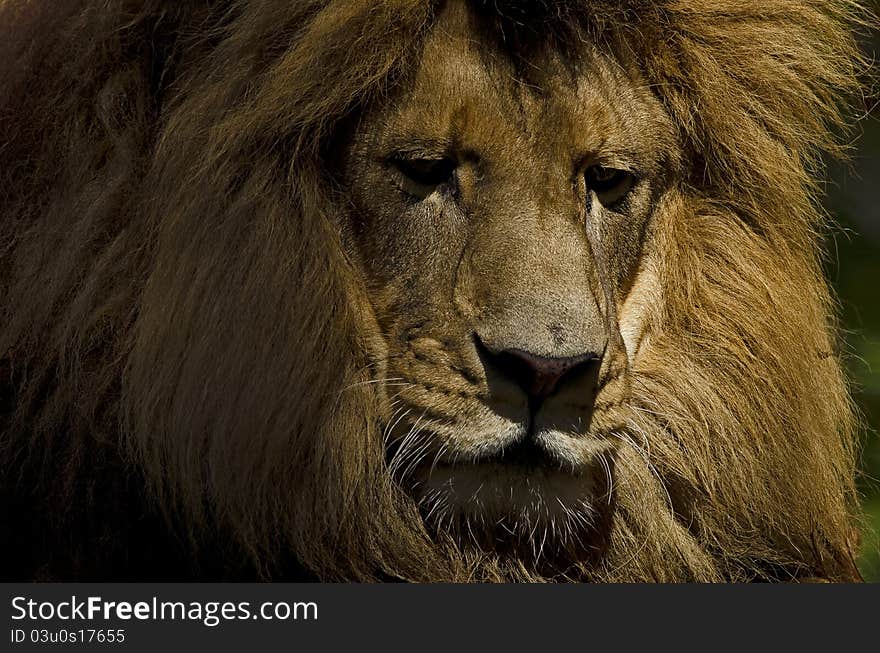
[182, 340]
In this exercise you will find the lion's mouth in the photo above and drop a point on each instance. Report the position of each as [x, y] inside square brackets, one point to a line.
[507, 461]
[533, 482]
[521, 500]
[534, 452]
[527, 454]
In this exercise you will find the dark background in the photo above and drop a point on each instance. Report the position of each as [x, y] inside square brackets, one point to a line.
[854, 269]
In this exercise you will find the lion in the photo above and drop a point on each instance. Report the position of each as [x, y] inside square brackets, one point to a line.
[423, 291]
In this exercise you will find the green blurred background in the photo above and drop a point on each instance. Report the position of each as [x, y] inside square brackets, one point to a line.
[854, 269]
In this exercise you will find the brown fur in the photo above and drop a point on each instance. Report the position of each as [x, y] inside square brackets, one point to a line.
[178, 314]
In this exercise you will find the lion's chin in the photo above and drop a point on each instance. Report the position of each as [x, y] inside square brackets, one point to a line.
[495, 490]
[517, 500]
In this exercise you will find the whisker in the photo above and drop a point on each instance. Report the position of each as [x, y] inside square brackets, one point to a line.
[623, 437]
[404, 451]
[607, 467]
[390, 381]
[391, 426]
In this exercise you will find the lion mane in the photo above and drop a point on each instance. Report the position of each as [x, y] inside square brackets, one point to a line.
[183, 386]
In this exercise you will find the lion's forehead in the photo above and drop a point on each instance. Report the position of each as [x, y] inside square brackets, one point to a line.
[551, 109]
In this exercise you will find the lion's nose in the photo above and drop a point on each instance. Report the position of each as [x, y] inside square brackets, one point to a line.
[540, 376]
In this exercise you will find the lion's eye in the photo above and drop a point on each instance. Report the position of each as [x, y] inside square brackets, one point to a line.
[421, 177]
[609, 184]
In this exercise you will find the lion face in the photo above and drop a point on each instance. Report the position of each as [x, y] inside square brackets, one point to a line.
[564, 256]
[499, 218]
